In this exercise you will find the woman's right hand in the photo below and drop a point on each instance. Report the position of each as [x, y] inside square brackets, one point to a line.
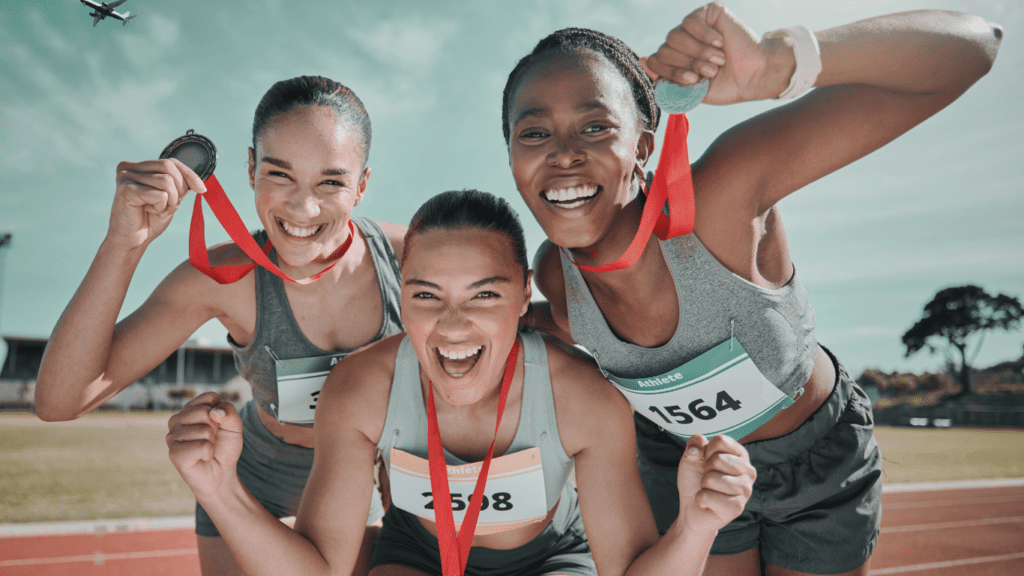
[148, 193]
[205, 441]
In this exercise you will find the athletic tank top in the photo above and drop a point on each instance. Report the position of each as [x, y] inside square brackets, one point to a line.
[776, 327]
[277, 335]
[405, 426]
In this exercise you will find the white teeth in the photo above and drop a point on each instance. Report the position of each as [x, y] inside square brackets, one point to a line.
[297, 231]
[569, 194]
[459, 354]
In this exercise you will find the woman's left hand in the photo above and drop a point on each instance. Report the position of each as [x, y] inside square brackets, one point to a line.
[715, 480]
[711, 42]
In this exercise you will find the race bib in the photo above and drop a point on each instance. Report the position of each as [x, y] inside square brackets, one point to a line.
[298, 385]
[718, 392]
[515, 494]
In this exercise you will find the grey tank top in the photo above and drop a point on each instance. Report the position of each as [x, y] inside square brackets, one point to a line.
[775, 327]
[405, 426]
[277, 334]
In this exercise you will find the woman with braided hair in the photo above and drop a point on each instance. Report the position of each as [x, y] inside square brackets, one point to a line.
[710, 331]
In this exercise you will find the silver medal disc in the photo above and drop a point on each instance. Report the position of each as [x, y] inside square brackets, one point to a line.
[195, 151]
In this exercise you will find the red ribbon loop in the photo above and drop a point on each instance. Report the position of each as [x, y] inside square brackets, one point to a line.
[673, 182]
[228, 217]
[455, 549]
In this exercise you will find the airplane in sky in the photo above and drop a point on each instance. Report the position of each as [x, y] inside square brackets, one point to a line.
[101, 10]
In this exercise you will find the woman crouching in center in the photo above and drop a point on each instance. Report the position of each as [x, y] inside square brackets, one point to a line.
[465, 285]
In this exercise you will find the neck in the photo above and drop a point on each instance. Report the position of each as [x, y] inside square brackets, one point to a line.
[613, 245]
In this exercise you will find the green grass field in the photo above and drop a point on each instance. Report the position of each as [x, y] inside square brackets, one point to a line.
[116, 466]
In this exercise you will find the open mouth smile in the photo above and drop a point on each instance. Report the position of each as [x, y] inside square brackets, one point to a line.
[298, 231]
[572, 197]
[456, 361]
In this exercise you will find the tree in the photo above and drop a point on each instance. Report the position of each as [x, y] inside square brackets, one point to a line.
[953, 316]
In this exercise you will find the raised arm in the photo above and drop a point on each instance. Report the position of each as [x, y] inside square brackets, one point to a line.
[205, 441]
[88, 358]
[880, 77]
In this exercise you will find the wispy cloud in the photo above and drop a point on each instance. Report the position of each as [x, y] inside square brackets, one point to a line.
[158, 34]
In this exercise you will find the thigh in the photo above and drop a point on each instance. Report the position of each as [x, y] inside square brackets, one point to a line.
[822, 510]
[746, 563]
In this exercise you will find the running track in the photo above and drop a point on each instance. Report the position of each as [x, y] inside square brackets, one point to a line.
[939, 529]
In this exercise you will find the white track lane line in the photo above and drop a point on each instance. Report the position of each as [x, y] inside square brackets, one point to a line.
[959, 502]
[952, 485]
[946, 564]
[99, 557]
[960, 524]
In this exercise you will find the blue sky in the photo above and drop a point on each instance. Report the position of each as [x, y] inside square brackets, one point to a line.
[873, 242]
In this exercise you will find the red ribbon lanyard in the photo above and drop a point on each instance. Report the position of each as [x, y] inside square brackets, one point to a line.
[199, 256]
[672, 182]
[455, 549]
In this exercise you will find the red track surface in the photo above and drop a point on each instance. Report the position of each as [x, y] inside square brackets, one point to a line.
[962, 532]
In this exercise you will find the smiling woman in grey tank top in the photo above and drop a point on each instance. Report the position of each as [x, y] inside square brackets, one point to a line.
[506, 415]
[711, 332]
[307, 169]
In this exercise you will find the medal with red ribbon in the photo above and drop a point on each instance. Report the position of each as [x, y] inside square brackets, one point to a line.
[672, 183]
[455, 548]
[198, 153]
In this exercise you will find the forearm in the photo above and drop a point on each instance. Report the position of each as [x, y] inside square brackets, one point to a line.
[70, 380]
[259, 542]
[921, 52]
[680, 552]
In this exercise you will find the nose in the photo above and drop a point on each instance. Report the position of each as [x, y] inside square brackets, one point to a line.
[453, 324]
[566, 153]
[303, 204]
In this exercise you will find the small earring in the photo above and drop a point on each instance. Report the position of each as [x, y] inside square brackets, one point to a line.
[641, 177]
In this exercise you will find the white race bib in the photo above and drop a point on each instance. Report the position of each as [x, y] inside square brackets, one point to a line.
[298, 386]
[718, 392]
[514, 495]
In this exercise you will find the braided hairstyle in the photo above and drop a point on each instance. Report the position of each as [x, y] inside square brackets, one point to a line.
[616, 51]
[286, 95]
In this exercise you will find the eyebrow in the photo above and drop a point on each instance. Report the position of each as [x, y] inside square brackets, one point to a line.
[477, 284]
[544, 112]
[287, 166]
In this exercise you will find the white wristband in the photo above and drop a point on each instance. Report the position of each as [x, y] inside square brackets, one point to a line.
[808, 60]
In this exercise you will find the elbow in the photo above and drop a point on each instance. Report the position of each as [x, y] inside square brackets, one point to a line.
[49, 409]
[47, 412]
[984, 38]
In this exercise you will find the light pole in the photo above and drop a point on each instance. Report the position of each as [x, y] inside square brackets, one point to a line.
[5, 241]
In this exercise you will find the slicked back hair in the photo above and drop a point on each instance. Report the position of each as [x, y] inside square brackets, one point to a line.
[467, 209]
[286, 95]
[616, 51]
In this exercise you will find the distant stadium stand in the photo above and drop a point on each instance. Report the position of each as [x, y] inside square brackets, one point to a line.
[192, 370]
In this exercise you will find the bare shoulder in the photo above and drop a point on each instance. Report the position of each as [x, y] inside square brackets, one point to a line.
[188, 288]
[588, 407]
[396, 235]
[358, 388]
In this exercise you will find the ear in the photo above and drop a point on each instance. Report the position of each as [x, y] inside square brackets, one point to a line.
[252, 168]
[644, 147]
[361, 187]
[528, 293]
